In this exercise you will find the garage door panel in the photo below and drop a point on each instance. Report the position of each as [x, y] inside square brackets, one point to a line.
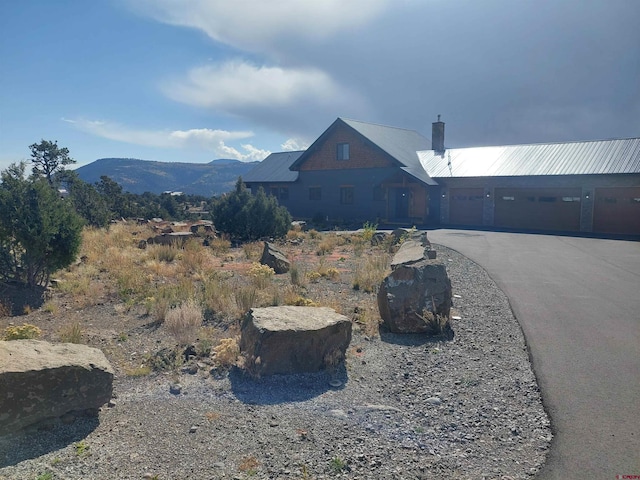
[465, 206]
[538, 208]
[617, 210]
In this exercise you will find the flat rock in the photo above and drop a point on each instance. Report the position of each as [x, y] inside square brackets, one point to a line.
[290, 339]
[41, 380]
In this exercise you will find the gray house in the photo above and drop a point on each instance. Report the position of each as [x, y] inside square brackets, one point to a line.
[358, 171]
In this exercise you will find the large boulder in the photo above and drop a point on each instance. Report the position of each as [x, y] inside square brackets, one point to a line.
[41, 380]
[275, 259]
[416, 296]
[291, 339]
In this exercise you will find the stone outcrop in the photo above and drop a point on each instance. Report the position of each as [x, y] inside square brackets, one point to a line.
[275, 259]
[40, 380]
[291, 339]
[416, 296]
[172, 238]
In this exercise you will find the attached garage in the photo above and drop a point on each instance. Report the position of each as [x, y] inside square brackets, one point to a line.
[465, 206]
[617, 210]
[538, 208]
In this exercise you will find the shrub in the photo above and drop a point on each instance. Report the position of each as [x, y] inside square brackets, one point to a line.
[220, 245]
[184, 321]
[163, 253]
[298, 277]
[22, 332]
[261, 274]
[248, 217]
[226, 352]
[369, 230]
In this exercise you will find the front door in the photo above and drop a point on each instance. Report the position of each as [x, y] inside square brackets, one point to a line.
[402, 203]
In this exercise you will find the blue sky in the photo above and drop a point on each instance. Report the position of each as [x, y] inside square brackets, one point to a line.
[196, 80]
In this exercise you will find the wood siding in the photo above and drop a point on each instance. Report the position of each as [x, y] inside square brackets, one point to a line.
[362, 153]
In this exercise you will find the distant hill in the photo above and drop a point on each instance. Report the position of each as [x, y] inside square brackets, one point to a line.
[139, 176]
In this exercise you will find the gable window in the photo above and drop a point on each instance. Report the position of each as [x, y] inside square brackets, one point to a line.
[315, 193]
[346, 195]
[342, 152]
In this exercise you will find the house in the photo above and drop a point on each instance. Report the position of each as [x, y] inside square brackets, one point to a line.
[357, 171]
[354, 171]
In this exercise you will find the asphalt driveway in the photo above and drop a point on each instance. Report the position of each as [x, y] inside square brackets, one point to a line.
[578, 302]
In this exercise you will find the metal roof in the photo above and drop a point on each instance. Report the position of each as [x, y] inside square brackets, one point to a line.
[598, 157]
[400, 143]
[274, 168]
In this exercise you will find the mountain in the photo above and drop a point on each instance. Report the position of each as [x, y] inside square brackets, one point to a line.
[139, 176]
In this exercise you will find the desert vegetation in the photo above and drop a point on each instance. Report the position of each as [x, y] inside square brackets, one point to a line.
[145, 306]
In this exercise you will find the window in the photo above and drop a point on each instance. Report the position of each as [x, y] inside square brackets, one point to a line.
[315, 193]
[281, 193]
[509, 198]
[570, 199]
[379, 194]
[346, 195]
[547, 199]
[342, 151]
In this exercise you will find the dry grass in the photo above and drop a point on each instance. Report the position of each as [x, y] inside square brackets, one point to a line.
[370, 272]
[71, 333]
[253, 251]
[220, 246]
[184, 321]
[5, 309]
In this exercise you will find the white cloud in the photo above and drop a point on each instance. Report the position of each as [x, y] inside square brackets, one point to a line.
[198, 138]
[294, 144]
[257, 24]
[239, 86]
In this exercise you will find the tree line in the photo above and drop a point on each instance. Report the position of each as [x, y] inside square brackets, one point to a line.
[42, 214]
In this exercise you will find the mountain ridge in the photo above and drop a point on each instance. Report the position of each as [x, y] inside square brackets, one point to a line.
[140, 176]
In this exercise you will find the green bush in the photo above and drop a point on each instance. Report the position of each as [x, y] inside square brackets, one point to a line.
[244, 216]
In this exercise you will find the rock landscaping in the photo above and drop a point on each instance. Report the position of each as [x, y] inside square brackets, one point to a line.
[400, 406]
[42, 381]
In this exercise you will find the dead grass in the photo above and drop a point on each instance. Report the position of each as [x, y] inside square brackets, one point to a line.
[370, 272]
[127, 293]
[71, 333]
[184, 321]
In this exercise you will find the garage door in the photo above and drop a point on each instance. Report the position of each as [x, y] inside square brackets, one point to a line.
[465, 206]
[617, 210]
[538, 208]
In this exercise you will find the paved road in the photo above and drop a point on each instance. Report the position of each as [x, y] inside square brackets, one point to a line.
[578, 302]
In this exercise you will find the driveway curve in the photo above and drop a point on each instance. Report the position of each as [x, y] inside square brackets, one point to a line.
[578, 302]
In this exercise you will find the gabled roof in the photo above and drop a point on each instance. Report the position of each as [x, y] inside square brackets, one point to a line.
[274, 168]
[399, 143]
[621, 156]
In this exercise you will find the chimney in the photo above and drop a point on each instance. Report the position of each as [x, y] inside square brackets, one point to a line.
[437, 137]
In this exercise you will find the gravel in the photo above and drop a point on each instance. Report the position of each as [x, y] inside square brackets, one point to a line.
[404, 407]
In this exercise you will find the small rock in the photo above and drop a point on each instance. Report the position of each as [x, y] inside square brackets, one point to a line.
[175, 389]
[434, 401]
[112, 403]
[193, 429]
